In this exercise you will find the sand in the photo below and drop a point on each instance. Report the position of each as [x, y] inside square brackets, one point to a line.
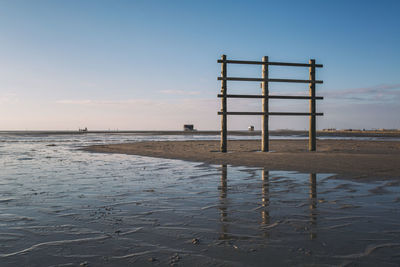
[356, 159]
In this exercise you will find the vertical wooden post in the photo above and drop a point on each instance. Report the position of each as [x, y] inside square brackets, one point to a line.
[312, 143]
[265, 109]
[223, 106]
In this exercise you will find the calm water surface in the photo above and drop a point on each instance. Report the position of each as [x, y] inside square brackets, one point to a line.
[60, 206]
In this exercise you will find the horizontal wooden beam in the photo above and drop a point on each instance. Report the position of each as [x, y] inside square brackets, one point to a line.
[241, 62]
[268, 80]
[295, 114]
[272, 113]
[240, 113]
[241, 79]
[269, 63]
[241, 96]
[294, 97]
[294, 81]
[294, 64]
[272, 96]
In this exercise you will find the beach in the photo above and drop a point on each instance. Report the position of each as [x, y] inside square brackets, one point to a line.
[355, 159]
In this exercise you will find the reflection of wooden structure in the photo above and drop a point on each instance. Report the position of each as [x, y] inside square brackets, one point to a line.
[265, 204]
[223, 205]
[265, 197]
[313, 205]
[266, 96]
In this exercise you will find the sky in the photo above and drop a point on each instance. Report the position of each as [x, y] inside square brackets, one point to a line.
[152, 65]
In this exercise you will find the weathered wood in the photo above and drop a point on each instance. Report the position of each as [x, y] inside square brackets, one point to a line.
[295, 114]
[242, 96]
[241, 113]
[265, 108]
[271, 96]
[294, 97]
[241, 79]
[269, 80]
[265, 98]
[293, 64]
[312, 138]
[223, 107]
[271, 113]
[250, 62]
[293, 81]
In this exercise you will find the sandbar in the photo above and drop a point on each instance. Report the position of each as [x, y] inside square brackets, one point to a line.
[355, 159]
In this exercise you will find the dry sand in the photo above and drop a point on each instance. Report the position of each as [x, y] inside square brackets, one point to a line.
[348, 158]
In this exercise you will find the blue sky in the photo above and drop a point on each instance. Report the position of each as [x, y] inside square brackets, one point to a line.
[152, 64]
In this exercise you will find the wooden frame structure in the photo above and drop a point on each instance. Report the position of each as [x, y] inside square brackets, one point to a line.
[266, 96]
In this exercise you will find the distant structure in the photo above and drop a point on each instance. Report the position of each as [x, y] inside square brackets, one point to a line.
[251, 128]
[188, 127]
[266, 97]
[83, 130]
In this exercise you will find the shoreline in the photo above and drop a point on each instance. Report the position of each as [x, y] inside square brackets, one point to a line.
[298, 133]
[352, 159]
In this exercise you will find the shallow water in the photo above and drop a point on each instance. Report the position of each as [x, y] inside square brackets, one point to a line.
[60, 206]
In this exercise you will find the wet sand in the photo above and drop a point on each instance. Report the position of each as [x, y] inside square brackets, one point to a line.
[367, 160]
[60, 206]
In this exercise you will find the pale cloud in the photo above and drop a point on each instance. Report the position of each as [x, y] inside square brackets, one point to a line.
[89, 84]
[380, 93]
[9, 98]
[179, 92]
[92, 102]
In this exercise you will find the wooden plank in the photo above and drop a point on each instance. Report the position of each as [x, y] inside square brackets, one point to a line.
[294, 81]
[241, 79]
[271, 96]
[224, 127]
[242, 96]
[293, 64]
[295, 114]
[265, 107]
[271, 113]
[269, 80]
[240, 113]
[312, 133]
[294, 97]
[250, 62]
